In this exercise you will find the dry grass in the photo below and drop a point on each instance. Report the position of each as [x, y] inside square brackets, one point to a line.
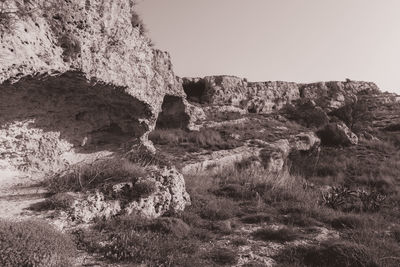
[89, 176]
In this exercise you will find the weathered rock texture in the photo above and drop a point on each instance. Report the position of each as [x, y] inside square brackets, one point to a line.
[272, 156]
[77, 77]
[168, 195]
[266, 97]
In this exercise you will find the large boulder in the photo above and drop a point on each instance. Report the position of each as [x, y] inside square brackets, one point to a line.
[162, 191]
[76, 78]
[337, 134]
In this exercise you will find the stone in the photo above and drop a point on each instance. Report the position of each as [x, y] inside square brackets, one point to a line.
[273, 157]
[305, 141]
[78, 77]
[337, 134]
[169, 196]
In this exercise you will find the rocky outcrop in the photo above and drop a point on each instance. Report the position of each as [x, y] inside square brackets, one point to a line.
[272, 156]
[77, 77]
[333, 95]
[337, 134]
[266, 97]
[167, 194]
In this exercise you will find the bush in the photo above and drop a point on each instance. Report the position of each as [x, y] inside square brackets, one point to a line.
[169, 225]
[162, 242]
[308, 114]
[218, 209]
[339, 253]
[281, 235]
[33, 243]
[328, 254]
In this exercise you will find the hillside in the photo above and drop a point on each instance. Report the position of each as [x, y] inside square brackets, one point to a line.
[108, 159]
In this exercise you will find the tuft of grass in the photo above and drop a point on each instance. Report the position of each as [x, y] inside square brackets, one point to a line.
[90, 176]
[348, 221]
[223, 256]
[284, 234]
[33, 243]
[330, 253]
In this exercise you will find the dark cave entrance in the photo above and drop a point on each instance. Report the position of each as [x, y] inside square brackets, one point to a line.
[173, 114]
[195, 90]
[91, 116]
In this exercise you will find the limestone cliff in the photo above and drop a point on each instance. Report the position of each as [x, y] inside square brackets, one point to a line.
[266, 97]
[77, 77]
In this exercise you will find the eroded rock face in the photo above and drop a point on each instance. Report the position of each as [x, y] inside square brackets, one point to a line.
[266, 97]
[45, 120]
[76, 78]
[333, 95]
[168, 195]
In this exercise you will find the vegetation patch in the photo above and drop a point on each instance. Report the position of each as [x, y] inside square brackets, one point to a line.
[90, 176]
[33, 243]
[284, 234]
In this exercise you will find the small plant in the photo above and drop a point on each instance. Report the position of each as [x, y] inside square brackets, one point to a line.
[337, 196]
[33, 243]
[371, 201]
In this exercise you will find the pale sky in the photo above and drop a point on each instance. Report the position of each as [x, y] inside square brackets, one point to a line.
[288, 40]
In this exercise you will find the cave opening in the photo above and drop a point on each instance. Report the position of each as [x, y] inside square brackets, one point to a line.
[173, 114]
[90, 116]
[195, 90]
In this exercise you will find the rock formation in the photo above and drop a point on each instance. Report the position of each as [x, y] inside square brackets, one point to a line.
[266, 97]
[78, 77]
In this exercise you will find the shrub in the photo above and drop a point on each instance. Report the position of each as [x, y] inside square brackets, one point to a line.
[139, 241]
[281, 235]
[328, 254]
[307, 114]
[33, 243]
[170, 225]
[224, 256]
[218, 209]
[339, 253]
